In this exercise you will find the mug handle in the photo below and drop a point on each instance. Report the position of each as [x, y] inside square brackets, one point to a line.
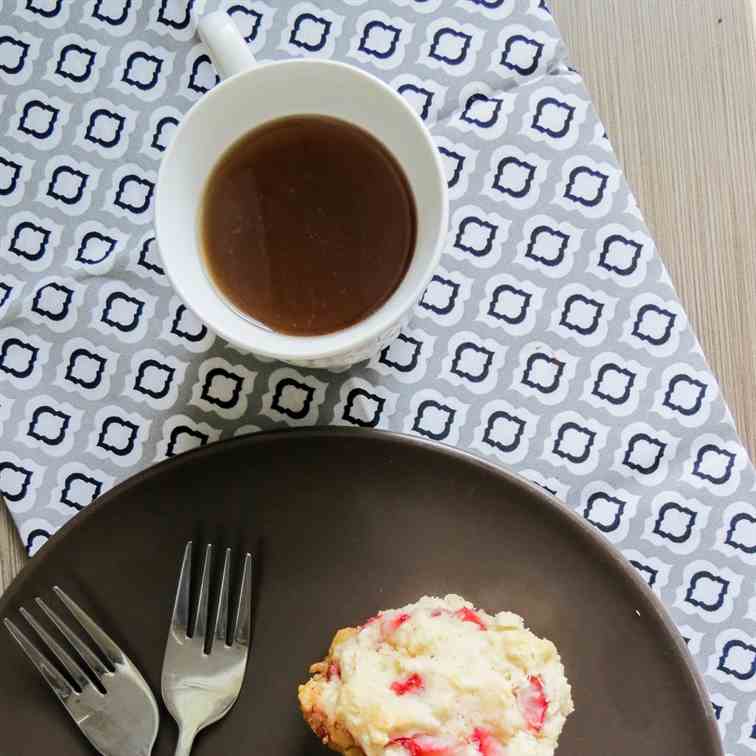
[228, 49]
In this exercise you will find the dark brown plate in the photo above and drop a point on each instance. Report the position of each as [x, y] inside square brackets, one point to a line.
[349, 522]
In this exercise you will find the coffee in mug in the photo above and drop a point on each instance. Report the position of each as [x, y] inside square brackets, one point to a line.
[308, 224]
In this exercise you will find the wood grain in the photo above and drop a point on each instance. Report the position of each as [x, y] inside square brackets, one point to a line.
[675, 83]
[11, 553]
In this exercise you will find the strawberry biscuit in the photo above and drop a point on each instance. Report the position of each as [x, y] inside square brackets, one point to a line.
[438, 678]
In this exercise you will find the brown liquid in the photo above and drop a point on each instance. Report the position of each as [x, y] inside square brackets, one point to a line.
[308, 224]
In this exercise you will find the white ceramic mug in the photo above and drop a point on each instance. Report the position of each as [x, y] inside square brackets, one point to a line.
[251, 95]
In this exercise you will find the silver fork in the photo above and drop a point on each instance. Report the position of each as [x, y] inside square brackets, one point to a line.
[111, 703]
[200, 686]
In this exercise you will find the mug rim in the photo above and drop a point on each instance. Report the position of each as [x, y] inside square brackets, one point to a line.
[348, 339]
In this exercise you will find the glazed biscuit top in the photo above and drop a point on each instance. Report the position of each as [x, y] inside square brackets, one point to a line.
[440, 678]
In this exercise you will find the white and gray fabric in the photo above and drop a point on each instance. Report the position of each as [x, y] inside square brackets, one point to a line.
[550, 339]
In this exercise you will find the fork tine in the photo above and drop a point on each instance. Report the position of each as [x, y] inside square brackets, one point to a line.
[221, 618]
[92, 660]
[99, 637]
[180, 618]
[77, 673]
[200, 621]
[243, 624]
[59, 685]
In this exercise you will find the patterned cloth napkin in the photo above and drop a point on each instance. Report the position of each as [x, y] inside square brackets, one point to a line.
[550, 339]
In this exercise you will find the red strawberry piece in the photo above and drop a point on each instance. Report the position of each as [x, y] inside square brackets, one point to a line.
[422, 745]
[390, 625]
[468, 615]
[533, 703]
[485, 742]
[437, 612]
[413, 682]
[333, 671]
[396, 622]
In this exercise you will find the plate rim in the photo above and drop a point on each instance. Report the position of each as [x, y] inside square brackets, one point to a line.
[609, 551]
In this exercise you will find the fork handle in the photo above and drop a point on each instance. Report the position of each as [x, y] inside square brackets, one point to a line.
[185, 742]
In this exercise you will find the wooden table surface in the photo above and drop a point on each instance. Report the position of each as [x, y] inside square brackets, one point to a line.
[675, 83]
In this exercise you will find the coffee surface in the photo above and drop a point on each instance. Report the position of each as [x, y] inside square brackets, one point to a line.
[308, 224]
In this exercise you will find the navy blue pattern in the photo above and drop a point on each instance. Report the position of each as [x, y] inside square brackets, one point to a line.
[549, 339]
